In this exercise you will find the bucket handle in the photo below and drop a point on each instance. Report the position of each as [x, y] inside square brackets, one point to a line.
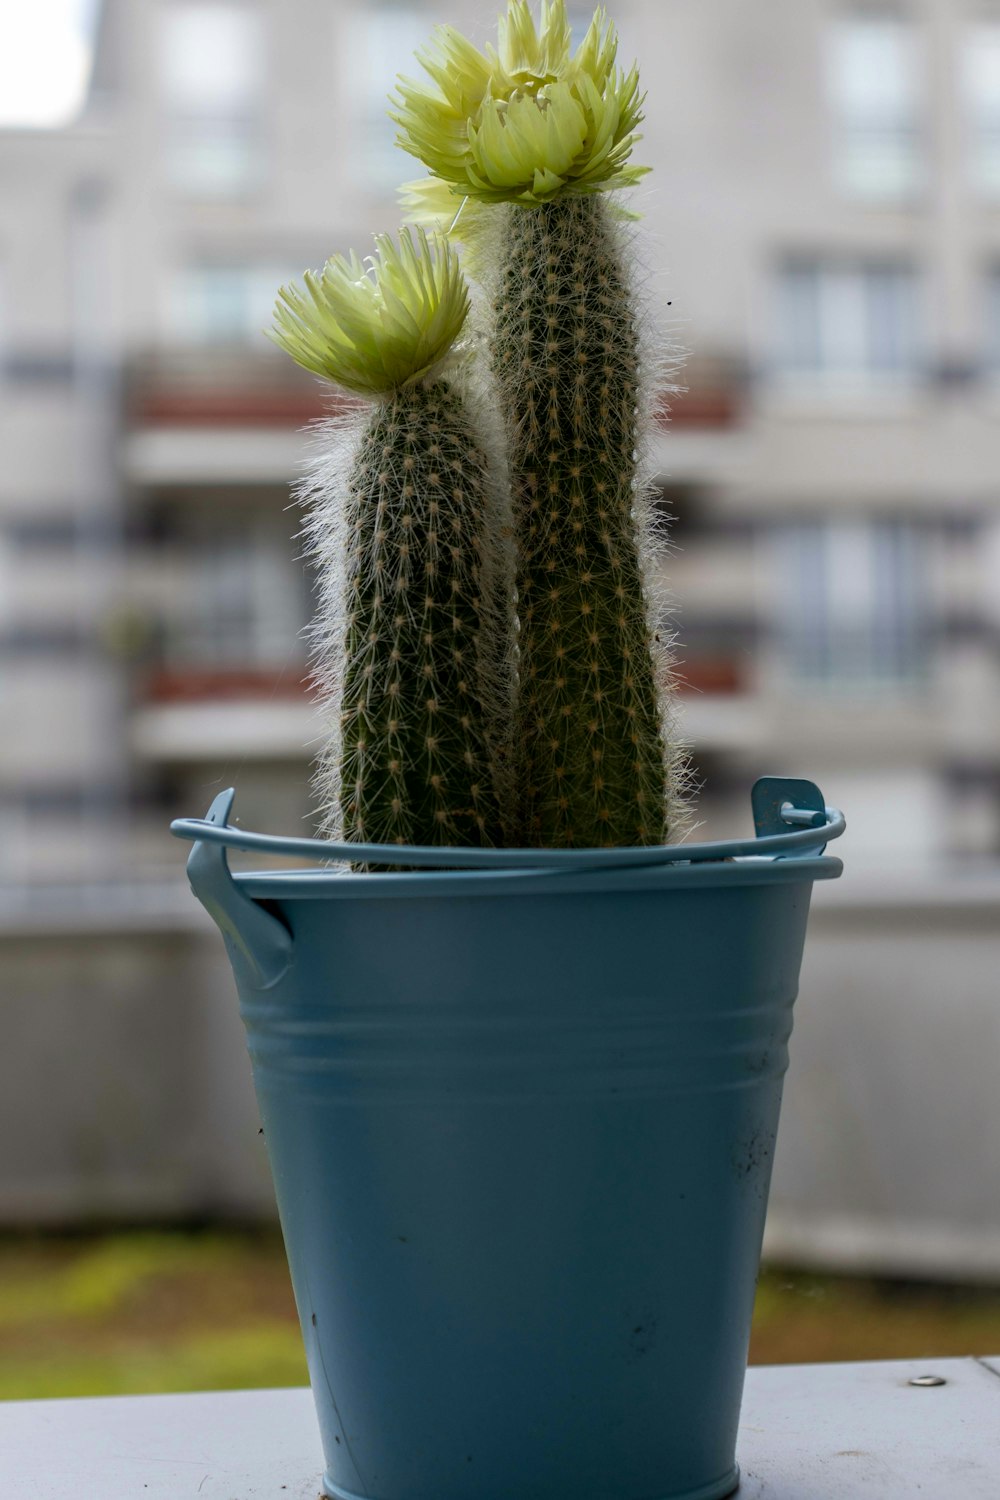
[789, 815]
[790, 818]
[780, 802]
[258, 942]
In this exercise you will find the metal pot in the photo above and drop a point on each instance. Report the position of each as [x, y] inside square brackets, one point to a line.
[521, 1111]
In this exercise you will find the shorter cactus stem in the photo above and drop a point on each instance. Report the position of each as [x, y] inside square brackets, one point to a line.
[414, 626]
[415, 761]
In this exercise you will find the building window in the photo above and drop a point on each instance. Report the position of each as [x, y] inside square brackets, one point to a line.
[223, 303]
[244, 603]
[873, 79]
[382, 43]
[981, 90]
[849, 603]
[212, 76]
[844, 323]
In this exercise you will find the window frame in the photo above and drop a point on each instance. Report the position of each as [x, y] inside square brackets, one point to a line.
[858, 134]
[190, 127]
[845, 313]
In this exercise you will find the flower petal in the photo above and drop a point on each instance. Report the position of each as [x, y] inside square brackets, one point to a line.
[373, 327]
[523, 120]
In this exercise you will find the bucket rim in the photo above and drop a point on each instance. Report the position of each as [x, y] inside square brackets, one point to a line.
[339, 884]
[789, 828]
[792, 822]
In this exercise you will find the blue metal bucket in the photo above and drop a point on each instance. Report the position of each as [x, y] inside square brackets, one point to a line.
[521, 1116]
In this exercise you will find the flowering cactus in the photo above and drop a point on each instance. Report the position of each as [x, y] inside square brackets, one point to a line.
[373, 326]
[525, 121]
[411, 636]
[535, 136]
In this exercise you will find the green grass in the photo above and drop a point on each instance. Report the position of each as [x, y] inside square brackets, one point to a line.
[141, 1312]
[800, 1318]
[146, 1312]
[264, 1355]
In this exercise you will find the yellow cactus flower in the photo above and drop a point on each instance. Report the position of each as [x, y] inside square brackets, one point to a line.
[525, 121]
[372, 326]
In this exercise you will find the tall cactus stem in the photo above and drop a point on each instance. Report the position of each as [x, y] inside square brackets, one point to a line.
[596, 760]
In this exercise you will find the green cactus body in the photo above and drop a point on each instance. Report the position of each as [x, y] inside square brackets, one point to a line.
[415, 761]
[524, 141]
[590, 756]
[405, 522]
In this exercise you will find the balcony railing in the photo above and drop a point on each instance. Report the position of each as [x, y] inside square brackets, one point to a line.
[233, 388]
[214, 684]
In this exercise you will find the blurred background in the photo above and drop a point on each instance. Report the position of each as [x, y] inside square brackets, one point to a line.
[822, 235]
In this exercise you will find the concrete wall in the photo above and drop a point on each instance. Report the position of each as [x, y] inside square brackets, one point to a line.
[125, 1088]
[888, 1154]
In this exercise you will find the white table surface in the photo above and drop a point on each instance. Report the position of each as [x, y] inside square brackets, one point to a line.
[809, 1432]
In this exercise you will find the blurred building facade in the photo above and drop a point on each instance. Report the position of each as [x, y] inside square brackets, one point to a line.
[822, 230]
[823, 224]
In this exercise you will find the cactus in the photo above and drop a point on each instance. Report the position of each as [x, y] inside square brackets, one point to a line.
[589, 716]
[542, 135]
[410, 640]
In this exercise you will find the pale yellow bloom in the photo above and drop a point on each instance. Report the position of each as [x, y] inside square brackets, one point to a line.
[524, 121]
[374, 325]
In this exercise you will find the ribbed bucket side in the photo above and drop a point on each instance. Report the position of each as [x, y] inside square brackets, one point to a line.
[522, 1146]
